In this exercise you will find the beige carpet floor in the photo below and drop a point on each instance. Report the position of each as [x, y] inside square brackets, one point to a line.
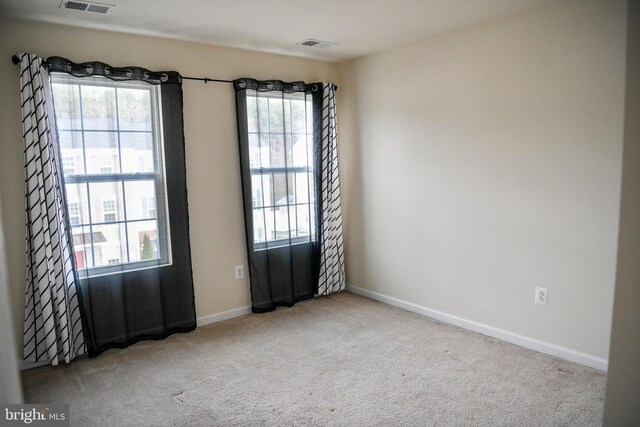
[341, 360]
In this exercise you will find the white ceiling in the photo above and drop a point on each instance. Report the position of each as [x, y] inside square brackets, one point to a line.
[359, 27]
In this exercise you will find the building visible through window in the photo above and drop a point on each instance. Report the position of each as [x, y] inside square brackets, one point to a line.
[68, 165]
[110, 143]
[149, 207]
[74, 213]
[109, 210]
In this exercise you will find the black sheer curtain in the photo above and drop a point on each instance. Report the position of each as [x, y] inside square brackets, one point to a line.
[130, 217]
[280, 135]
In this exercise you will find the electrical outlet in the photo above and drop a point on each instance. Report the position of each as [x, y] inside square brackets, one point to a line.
[239, 271]
[541, 296]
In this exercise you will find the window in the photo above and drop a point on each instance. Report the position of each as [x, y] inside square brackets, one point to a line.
[281, 167]
[111, 147]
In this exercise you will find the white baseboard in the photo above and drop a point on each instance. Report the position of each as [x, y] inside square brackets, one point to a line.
[225, 315]
[510, 337]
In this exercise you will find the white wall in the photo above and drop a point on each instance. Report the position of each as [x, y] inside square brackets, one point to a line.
[622, 407]
[484, 162]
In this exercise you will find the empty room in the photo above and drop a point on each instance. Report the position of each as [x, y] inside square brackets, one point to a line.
[338, 213]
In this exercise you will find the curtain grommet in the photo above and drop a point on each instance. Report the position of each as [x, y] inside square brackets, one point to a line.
[269, 86]
[242, 84]
[107, 71]
[146, 75]
[314, 88]
[164, 78]
[88, 70]
[129, 74]
[69, 66]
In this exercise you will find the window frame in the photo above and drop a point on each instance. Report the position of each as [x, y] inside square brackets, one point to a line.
[120, 179]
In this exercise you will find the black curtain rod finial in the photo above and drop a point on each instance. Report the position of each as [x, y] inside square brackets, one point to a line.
[15, 59]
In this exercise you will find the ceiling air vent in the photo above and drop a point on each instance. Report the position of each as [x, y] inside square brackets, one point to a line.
[84, 6]
[315, 43]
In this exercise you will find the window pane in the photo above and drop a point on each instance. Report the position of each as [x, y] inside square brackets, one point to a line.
[67, 106]
[141, 199]
[270, 223]
[256, 191]
[252, 114]
[276, 124]
[287, 115]
[293, 221]
[255, 151]
[282, 223]
[303, 224]
[267, 190]
[109, 244]
[298, 116]
[280, 189]
[288, 140]
[102, 152]
[312, 188]
[310, 153]
[99, 107]
[143, 240]
[297, 151]
[137, 152]
[106, 202]
[70, 140]
[71, 152]
[77, 196]
[134, 109]
[82, 246]
[302, 187]
[259, 231]
[265, 153]
[277, 150]
[262, 105]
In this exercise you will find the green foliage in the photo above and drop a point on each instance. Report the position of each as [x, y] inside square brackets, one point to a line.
[99, 102]
[147, 251]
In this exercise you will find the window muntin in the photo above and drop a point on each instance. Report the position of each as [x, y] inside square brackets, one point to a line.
[281, 166]
[111, 147]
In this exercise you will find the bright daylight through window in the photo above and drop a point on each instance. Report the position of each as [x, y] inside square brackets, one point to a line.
[110, 139]
[281, 164]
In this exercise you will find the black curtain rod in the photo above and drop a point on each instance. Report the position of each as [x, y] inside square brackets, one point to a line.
[207, 79]
[16, 61]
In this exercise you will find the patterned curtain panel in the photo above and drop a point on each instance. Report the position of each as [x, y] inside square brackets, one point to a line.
[331, 250]
[53, 326]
